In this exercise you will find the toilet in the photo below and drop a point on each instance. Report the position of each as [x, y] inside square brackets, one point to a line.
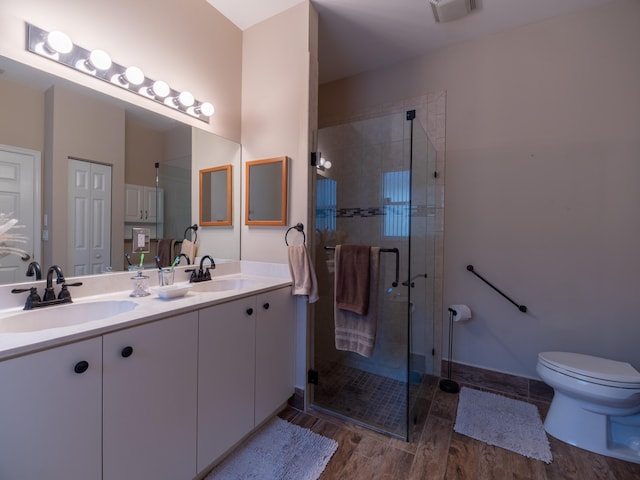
[596, 403]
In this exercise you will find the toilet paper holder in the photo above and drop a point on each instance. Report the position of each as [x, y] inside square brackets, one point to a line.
[456, 313]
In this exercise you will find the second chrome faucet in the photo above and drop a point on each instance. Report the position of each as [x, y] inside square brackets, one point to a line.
[49, 297]
[202, 275]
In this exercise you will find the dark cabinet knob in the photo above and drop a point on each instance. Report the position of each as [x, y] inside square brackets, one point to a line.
[126, 351]
[249, 311]
[266, 306]
[81, 366]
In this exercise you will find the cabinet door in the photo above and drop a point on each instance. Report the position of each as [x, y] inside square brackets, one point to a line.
[133, 203]
[149, 405]
[50, 416]
[226, 370]
[275, 337]
[153, 204]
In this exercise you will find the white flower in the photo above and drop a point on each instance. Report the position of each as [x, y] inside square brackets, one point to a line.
[6, 224]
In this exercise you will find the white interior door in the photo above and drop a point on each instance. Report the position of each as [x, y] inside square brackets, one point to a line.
[20, 197]
[89, 217]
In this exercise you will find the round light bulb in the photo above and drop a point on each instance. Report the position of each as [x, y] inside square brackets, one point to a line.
[327, 164]
[134, 75]
[207, 109]
[100, 60]
[59, 42]
[186, 99]
[160, 88]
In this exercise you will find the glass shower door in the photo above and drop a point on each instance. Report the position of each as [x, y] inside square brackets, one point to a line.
[366, 198]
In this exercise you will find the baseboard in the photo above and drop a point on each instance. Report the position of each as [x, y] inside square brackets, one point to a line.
[297, 399]
[526, 388]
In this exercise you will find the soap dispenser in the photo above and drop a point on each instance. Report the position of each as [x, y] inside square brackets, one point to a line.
[140, 285]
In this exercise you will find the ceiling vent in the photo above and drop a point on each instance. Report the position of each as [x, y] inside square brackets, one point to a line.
[448, 10]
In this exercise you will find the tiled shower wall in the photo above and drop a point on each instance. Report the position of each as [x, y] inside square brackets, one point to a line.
[362, 194]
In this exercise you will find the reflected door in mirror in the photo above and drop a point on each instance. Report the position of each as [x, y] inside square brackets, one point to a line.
[20, 198]
[266, 192]
[215, 196]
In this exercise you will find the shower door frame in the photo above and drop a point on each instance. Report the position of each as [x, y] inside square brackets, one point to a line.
[409, 117]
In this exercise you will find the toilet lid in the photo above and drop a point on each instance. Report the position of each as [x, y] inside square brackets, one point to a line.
[593, 368]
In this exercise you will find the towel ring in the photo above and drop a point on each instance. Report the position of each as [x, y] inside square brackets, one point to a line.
[193, 228]
[299, 227]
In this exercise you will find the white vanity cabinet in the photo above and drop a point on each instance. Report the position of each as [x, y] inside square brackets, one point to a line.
[149, 400]
[51, 413]
[226, 371]
[275, 339]
[245, 368]
[142, 204]
[160, 400]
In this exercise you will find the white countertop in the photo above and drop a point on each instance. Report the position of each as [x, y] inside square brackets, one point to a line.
[118, 286]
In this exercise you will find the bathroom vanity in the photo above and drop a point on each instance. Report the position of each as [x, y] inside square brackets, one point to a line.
[160, 391]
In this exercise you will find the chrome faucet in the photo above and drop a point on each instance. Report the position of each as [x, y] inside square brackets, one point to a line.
[34, 269]
[49, 298]
[202, 275]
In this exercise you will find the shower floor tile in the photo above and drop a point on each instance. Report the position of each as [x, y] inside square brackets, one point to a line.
[374, 400]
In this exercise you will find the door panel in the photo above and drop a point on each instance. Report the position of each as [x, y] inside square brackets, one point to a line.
[89, 217]
[20, 197]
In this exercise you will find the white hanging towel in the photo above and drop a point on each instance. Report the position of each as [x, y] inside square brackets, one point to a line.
[190, 249]
[303, 275]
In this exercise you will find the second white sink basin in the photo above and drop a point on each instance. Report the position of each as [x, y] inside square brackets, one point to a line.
[63, 315]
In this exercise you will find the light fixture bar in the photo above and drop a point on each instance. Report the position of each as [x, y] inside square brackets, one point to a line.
[448, 10]
[58, 47]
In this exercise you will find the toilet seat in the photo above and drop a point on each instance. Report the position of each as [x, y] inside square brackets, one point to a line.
[592, 369]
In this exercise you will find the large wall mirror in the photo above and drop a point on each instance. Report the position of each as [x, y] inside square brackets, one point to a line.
[144, 138]
[216, 196]
[266, 192]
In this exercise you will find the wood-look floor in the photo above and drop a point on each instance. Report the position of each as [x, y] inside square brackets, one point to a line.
[437, 452]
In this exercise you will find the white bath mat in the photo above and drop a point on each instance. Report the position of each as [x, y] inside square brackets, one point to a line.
[279, 450]
[504, 422]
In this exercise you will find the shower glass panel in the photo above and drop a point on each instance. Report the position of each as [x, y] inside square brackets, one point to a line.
[376, 192]
[421, 276]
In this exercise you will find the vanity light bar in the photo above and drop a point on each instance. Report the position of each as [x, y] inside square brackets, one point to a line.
[57, 46]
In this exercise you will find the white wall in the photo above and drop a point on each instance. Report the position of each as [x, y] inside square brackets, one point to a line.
[21, 106]
[542, 182]
[275, 116]
[279, 91]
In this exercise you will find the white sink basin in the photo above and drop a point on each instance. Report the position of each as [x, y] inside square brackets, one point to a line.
[63, 315]
[222, 285]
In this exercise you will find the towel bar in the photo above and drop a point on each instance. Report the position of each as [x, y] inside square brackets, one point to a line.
[386, 250]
